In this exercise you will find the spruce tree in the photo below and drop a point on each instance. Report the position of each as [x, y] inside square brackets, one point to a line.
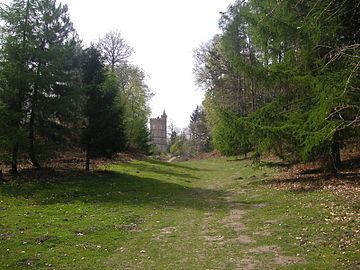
[293, 69]
[15, 75]
[199, 133]
[103, 132]
[38, 54]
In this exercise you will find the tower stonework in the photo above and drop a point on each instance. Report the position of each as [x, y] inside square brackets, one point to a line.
[158, 132]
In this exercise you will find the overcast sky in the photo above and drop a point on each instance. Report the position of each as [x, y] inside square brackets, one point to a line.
[164, 34]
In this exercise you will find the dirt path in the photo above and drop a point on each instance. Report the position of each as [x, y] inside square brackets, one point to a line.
[230, 234]
[243, 237]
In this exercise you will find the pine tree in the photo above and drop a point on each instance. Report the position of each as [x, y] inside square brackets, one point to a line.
[296, 64]
[103, 133]
[38, 53]
[199, 133]
[15, 75]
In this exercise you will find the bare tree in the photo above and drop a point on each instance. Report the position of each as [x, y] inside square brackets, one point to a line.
[114, 49]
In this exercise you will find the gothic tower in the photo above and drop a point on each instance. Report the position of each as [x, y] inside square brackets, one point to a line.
[158, 132]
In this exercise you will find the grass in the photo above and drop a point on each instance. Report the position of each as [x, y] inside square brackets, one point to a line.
[208, 214]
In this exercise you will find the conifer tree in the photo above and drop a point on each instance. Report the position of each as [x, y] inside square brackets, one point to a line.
[15, 75]
[103, 133]
[199, 133]
[293, 68]
[38, 53]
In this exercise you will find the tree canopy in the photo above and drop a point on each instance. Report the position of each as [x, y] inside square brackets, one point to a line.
[283, 76]
[57, 95]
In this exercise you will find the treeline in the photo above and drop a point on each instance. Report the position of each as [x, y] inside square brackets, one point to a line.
[56, 95]
[193, 140]
[283, 76]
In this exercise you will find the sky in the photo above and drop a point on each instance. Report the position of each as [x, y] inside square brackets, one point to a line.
[164, 34]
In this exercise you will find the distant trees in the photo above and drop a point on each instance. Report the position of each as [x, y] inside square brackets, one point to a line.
[180, 145]
[199, 138]
[172, 135]
[134, 94]
[134, 98]
[55, 95]
[193, 140]
[114, 49]
[283, 77]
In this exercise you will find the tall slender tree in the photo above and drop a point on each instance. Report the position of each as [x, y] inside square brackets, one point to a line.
[199, 132]
[103, 133]
[39, 44]
[15, 74]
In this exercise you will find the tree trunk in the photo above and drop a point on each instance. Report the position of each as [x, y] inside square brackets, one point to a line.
[15, 148]
[252, 87]
[335, 156]
[32, 154]
[87, 162]
[14, 169]
[252, 95]
[334, 159]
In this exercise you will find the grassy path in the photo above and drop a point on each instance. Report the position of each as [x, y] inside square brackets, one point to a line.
[209, 214]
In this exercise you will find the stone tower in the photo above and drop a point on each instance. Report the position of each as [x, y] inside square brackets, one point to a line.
[158, 132]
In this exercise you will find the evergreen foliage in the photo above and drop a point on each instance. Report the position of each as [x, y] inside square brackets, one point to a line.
[54, 95]
[284, 77]
[199, 132]
[38, 50]
[103, 134]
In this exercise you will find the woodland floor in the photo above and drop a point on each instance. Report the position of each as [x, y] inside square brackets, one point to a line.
[218, 213]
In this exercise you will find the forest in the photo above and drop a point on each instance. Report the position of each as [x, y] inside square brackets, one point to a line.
[281, 78]
[265, 175]
[57, 95]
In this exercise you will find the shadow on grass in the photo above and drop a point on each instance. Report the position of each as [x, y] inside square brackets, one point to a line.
[153, 167]
[108, 187]
[237, 159]
[174, 165]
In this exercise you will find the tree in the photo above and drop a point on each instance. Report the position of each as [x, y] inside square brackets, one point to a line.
[134, 98]
[180, 147]
[134, 93]
[199, 133]
[173, 134]
[230, 133]
[39, 45]
[15, 52]
[286, 73]
[103, 133]
[52, 64]
[114, 49]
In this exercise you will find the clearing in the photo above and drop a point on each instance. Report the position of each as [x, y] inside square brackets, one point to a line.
[219, 213]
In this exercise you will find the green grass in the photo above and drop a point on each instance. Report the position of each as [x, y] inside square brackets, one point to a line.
[154, 215]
